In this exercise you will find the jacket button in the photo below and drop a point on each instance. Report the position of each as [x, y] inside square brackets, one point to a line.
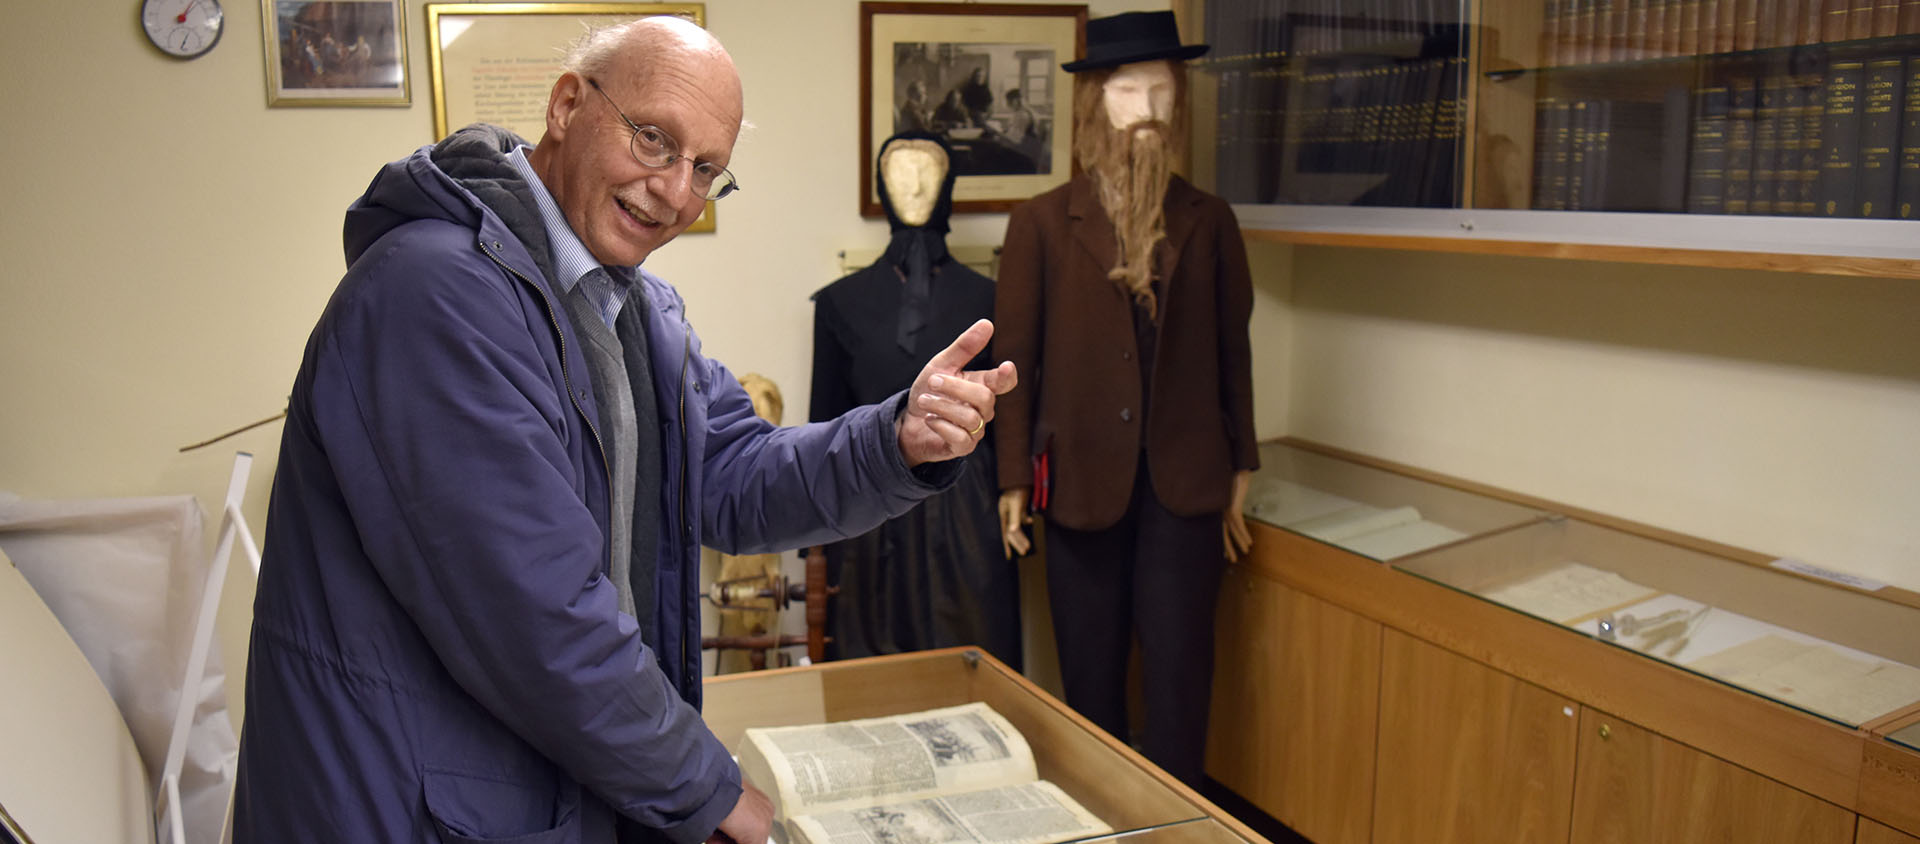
[1126, 414]
[1126, 355]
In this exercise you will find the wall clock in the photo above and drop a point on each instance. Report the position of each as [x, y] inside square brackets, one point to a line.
[184, 29]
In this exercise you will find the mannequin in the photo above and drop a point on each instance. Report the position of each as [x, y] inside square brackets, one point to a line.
[1125, 293]
[929, 578]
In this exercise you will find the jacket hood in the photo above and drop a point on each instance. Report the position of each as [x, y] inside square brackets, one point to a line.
[458, 180]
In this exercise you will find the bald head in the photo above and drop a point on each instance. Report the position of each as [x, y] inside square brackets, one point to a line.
[662, 75]
[636, 50]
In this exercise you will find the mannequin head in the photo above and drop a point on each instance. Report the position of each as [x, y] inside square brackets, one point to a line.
[1139, 92]
[913, 172]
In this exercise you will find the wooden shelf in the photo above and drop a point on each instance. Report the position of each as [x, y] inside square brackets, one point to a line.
[1725, 259]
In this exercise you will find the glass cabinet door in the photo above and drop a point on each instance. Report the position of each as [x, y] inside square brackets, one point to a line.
[1725, 107]
[1333, 102]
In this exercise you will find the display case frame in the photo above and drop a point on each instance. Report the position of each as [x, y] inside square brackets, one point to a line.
[1140, 801]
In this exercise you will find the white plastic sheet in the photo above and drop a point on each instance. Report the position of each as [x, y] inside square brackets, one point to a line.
[125, 577]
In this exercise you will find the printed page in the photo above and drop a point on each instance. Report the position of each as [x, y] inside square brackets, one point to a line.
[1283, 502]
[822, 767]
[1030, 813]
[1852, 686]
[1401, 540]
[1569, 591]
[1354, 521]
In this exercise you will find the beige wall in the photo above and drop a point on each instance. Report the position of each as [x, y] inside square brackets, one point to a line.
[1771, 411]
[170, 239]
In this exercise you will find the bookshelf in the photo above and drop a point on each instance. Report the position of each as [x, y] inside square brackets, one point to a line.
[1763, 134]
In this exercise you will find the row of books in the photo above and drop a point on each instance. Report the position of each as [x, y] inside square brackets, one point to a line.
[1343, 130]
[1843, 142]
[1576, 32]
[1243, 32]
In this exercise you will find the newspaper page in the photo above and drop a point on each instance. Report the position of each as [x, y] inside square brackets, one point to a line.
[1031, 813]
[849, 764]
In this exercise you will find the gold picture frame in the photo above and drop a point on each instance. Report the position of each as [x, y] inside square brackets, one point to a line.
[496, 62]
[335, 52]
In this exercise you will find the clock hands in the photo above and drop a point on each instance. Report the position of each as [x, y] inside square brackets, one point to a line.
[183, 12]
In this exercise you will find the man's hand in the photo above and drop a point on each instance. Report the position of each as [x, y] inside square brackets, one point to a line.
[1233, 522]
[1013, 515]
[749, 822]
[948, 410]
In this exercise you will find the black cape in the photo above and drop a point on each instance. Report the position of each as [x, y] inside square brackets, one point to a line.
[934, 577]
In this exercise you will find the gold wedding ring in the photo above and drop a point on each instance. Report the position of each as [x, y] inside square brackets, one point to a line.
[978, 428]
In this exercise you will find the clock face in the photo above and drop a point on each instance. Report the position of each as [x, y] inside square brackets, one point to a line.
[184, 28]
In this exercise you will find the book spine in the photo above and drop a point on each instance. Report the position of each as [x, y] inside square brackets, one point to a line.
[1739, 189]
[1552, 37]
[1709, 27]
[1559, 153]
[1599, 139]
[1786, 174]
[1840, 140]
[1909, 22]
[1690, 28]
[1620, 31]
[1542, 155]
[1658, 13]
[1707, 170]
[1746, 31]
[1834, 27]
[1727, 26]
[1585, 18]
[1886, 18]
[1907, 193]
[1860, 19]
[1813, 111]
[1577, 157]
[1766, 146]
[1813, 17]
[1879, 133]
[1639, 28]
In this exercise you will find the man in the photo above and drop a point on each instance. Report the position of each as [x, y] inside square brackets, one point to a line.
[913, 115]
[477, 616]
[1124, 296]
[977, 96]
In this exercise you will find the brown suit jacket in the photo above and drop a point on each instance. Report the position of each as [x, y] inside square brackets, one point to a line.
[1070, 331]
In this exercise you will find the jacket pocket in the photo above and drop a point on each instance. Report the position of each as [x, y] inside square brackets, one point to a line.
[470, 809]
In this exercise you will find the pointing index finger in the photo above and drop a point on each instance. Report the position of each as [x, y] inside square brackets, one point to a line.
[963, 348]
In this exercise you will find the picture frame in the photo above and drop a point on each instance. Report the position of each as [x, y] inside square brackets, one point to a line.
[335, 52]
[497, 62]
[949, 68]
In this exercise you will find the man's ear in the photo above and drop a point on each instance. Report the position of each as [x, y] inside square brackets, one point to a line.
[569, 94]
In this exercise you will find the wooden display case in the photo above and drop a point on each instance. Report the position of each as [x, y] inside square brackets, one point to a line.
[1467, 719]
[1141, 802]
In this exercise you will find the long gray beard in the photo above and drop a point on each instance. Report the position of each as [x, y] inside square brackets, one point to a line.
[1133, 189]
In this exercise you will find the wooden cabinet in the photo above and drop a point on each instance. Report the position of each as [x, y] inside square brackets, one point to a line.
[1873, 832]
[1636, 787]
[1296, 686]
[1468, 754]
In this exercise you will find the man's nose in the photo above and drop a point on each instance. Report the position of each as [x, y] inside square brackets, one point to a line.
[678, 180]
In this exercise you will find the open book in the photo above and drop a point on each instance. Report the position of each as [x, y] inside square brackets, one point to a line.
[958, 774]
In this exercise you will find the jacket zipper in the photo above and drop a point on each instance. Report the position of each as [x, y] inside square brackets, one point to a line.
[686, 517]
[606, 568]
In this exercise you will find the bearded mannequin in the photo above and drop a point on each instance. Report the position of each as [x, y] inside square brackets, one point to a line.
[1125, 295]
[929, 578]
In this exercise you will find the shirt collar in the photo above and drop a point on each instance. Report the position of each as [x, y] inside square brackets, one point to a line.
[571, 259]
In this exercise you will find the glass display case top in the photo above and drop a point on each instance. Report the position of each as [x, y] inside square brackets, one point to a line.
[1908, 735]
[1368, 511]
[1835, 652]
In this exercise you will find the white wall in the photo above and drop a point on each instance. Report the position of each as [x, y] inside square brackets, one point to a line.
[1771, 411]
[170, 240]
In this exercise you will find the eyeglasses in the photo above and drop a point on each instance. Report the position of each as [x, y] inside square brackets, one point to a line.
[653, 147]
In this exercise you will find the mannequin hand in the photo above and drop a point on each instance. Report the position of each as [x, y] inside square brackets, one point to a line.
[1013, 514]
[948, 410]
[749, 822]
[1233, 523]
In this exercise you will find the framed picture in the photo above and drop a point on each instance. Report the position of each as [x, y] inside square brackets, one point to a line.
[987, 77]
[497, 62]
[335, 52]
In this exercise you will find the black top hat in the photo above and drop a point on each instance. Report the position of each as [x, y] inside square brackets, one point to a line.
[1133, 37]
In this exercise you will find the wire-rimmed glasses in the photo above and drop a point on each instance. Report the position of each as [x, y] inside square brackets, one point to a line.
[653, 147]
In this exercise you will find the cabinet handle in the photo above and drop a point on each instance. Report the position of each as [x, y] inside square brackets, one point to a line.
[1606, 732]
